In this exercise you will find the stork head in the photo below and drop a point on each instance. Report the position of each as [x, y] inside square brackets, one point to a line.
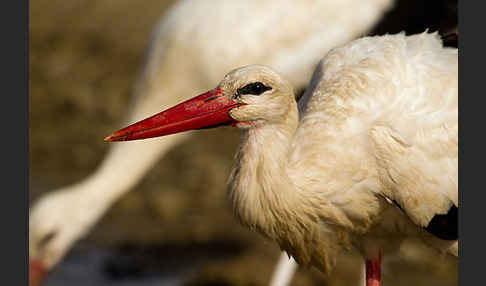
[246, 97]
[56, 222]
[262, 94]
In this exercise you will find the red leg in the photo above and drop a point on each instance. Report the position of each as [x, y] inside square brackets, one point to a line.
[373, 270]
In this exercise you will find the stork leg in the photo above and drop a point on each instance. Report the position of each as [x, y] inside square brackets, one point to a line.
[373, 270]
[283, 273]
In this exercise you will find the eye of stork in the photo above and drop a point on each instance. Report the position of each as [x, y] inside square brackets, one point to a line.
[255, 88]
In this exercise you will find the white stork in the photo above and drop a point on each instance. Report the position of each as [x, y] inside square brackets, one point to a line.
[368, 158]
[196, 40]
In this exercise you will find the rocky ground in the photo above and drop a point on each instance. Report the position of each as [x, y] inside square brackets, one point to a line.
[84, 59]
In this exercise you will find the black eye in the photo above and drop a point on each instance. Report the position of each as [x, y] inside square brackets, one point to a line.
[255, 88]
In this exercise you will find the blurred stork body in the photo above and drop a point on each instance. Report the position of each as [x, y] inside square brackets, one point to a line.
[193, 46]
[367, 158]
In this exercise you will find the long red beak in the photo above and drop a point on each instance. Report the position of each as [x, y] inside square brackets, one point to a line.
[207, 110]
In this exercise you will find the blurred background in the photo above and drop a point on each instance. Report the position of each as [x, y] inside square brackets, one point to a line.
[85, 57]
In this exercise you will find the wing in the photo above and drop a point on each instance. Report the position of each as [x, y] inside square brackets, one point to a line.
[420, 175]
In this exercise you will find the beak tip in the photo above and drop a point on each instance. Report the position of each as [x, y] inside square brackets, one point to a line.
[37, 272]
[108, 138]
[114, 137]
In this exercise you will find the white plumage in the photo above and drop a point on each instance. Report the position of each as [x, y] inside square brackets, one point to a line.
[369, 159]
[379, 121]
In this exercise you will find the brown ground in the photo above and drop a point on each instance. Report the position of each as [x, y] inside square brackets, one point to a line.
[84, 59]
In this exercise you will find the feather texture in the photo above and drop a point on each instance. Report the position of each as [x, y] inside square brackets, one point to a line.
[378, 123]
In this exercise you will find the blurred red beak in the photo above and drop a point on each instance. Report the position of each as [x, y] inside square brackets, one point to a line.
[207, 110]
[37, 272]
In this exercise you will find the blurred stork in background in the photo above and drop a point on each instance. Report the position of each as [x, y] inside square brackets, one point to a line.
[51, 73]
[194, 44]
